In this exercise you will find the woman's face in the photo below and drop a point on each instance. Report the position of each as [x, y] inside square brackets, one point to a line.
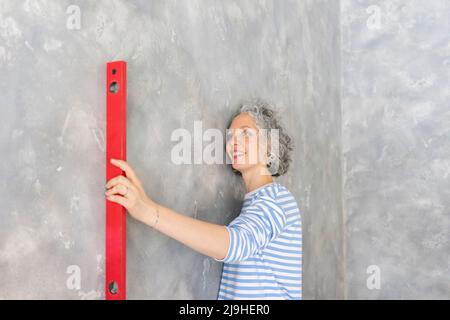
[243, 143]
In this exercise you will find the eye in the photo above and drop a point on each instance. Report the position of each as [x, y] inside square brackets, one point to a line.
[247, 132]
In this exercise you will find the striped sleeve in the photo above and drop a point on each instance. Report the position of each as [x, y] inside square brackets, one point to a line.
[254, 228]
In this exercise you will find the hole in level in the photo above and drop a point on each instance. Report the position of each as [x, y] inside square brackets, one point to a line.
[113, 71]
[113, 287]
[114, 87]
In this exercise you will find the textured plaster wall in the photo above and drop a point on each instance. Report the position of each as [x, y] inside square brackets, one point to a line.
[187, 61]
[396, 147]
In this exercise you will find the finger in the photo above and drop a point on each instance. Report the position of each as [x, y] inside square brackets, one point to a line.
[120, 200]
[118, 189]
[118, 179]
[128, 170]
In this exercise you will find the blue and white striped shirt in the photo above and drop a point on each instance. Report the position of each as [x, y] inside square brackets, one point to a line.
[264, 258]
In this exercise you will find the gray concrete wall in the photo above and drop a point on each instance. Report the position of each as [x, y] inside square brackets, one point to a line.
[187, 61]
[318, 154]
[396, 147]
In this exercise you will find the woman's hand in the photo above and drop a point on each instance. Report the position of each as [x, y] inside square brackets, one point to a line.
[128, 191]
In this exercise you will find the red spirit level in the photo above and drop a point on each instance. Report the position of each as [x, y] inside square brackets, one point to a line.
[116, 147]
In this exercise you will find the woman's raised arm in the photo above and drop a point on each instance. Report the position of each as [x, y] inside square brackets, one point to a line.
[206, 238]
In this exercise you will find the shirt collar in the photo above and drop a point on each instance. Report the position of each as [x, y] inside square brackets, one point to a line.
[253, 192]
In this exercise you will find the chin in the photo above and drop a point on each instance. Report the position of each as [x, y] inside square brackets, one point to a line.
[236, 166]
[241, 167]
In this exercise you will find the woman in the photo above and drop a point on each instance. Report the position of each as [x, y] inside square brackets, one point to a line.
[262, 247]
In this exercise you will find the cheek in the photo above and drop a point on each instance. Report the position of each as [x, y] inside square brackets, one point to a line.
[248, 143]
[251, 146]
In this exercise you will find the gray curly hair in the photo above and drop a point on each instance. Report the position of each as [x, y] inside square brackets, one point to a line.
[267, 118]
